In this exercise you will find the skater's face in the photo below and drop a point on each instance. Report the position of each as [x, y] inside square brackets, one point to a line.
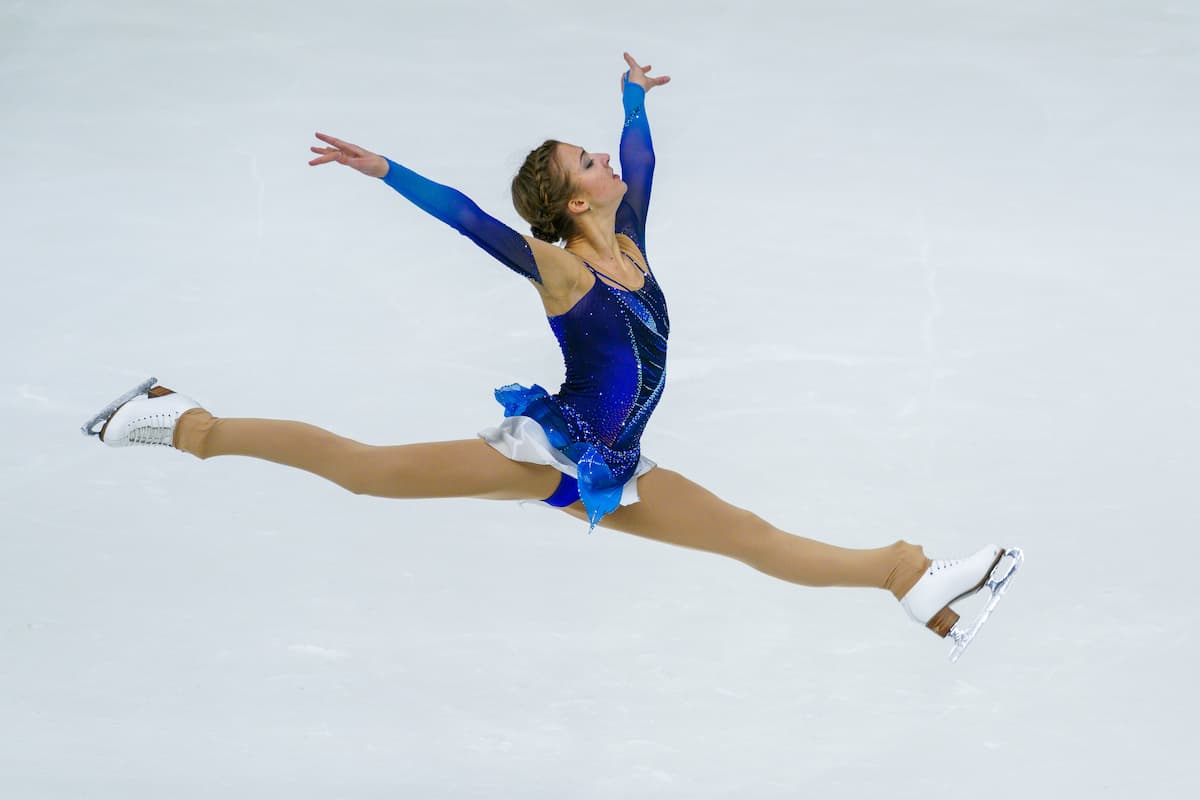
[596, 184]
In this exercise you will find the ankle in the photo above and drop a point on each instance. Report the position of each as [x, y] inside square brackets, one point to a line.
[191, 431]
[910, 564]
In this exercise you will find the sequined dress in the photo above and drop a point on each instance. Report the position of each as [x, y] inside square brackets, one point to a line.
[613, 340]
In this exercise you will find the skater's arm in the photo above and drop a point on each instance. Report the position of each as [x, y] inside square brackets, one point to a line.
[444, 202]
[636, 152]
[461, 213]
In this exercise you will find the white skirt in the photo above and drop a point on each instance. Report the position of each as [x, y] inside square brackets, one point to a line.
[522, 439]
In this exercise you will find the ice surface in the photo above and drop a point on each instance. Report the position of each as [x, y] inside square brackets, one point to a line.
[945, 289]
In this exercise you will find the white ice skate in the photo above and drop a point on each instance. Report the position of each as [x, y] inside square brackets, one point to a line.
[947, 581]
[146, 414]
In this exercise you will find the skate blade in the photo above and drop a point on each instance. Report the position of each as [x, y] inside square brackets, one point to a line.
[998, 583]
[89, 427]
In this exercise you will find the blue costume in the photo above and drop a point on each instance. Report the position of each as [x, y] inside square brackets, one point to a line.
[613, 340]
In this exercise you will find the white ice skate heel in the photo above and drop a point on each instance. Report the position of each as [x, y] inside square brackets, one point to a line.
[947, 581]
[146, 414]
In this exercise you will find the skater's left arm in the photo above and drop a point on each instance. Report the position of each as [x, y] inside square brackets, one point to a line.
[637, 152]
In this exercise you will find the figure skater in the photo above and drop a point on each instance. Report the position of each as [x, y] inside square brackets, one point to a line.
[578, 449]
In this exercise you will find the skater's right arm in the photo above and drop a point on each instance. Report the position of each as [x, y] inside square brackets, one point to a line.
[461, 213]
[451, 206]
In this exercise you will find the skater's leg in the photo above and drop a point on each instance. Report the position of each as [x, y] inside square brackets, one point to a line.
[464, 468]
[673, 509]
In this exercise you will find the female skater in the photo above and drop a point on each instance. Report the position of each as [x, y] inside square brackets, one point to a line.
[577, 450]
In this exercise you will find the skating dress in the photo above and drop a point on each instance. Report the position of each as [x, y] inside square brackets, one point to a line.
[613, 341]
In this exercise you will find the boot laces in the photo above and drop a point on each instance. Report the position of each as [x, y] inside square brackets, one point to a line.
[153, 428]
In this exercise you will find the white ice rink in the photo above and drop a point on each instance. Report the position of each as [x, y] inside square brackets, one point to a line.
[932, 270]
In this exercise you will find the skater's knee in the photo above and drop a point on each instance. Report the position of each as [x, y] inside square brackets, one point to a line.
[365, 469]
[753, 538]
[356, 482]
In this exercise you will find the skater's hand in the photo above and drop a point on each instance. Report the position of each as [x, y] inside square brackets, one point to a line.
[638, 75]
[351, 155]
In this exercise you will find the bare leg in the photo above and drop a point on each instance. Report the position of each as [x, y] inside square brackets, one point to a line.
[464, 468]
[673, 509]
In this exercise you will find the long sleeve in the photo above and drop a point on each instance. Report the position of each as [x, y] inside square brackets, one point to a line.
[637, 165]
[461, 213]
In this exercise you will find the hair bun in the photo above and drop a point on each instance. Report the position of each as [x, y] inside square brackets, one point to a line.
[544, 235]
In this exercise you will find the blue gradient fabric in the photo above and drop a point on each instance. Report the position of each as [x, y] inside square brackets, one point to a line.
[461, 213]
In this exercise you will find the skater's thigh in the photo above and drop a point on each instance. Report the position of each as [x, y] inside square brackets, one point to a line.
[679, 511]
[461, 468]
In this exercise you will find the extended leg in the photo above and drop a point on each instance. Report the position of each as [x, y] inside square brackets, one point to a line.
[676, 510]
[463, 468]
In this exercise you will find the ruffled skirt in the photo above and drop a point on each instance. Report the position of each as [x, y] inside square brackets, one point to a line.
[535, 431]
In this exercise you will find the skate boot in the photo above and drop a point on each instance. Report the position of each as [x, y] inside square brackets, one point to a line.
[947, 581]
[145, 414]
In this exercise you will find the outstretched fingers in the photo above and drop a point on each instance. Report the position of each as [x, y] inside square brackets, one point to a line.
[637, 73]
[338, 143]
[351, 155]
[341, 151]
[327, 154]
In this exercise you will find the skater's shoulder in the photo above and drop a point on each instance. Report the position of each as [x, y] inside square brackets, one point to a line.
[561, 272]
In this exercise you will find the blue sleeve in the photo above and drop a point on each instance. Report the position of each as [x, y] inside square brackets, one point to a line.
[637, 165]
[460, 212]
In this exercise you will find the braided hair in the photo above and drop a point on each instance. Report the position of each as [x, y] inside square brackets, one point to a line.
[540, 191]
